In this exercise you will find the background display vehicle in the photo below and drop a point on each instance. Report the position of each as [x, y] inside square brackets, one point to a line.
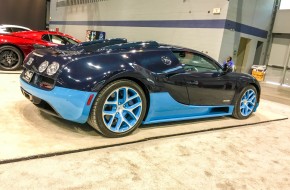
[116, 88]
[16, 46]
[8, 28]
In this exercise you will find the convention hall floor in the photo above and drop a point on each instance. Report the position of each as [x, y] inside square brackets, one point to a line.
[220, 153]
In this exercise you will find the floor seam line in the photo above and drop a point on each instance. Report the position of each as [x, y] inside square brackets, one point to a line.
[40, 156]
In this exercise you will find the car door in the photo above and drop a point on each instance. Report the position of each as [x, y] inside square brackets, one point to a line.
[206, 83]
[169, 73]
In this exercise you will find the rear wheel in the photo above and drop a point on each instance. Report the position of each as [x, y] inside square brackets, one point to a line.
[246, 103]
[118, 109]
[10, 58]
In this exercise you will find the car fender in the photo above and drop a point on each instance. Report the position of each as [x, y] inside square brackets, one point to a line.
[94, 72]
[245, 80]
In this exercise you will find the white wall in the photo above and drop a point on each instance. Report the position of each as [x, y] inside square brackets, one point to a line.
[140, 10]
[280, 47]
[282, 22]
[285, 4]
[279, 51]
[202, 39]
[216, 42]
[254, 13]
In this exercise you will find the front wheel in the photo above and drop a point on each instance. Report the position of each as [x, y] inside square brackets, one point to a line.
[118, 109]
[245, 103]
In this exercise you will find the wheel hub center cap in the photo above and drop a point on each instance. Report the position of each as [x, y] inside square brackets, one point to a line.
[120, 108]
[8, 58]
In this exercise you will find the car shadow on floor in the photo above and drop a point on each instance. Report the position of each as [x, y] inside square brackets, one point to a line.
[86, 129]
[46, 123]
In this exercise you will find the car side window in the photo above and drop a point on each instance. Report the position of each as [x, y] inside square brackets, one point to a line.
[46, 37]
[69, 40]
[18, 29]
[57, 39]
[193, 62]
[9, 29]
[54, 39]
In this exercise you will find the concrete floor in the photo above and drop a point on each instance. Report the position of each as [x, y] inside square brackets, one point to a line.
[275, 93]
[247, 157]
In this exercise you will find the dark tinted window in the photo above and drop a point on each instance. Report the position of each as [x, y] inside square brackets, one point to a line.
[196, 62]
[46, 38]
[18, 29]
[8, 30]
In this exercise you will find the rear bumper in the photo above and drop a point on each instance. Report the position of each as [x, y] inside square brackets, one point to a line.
[67, 103]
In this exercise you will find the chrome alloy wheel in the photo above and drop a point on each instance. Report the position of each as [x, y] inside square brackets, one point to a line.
[248, 102]
[122, 109]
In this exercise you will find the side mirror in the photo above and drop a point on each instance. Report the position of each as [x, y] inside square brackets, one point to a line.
[227, 69]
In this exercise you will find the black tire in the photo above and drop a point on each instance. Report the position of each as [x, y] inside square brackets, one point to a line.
[237, 113]
[11, 58]
[97, 119]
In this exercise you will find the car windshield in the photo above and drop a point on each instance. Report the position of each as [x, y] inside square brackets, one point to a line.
[57, 39]
[196, 62]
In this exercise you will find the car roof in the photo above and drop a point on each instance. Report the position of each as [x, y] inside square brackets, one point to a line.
[181, 48]
[39, 34]
[14, 26]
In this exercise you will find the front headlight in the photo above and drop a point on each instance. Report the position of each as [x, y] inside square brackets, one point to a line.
[43, 66]
[52, 68]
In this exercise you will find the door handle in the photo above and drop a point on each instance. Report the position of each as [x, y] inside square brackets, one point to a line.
[195, 82]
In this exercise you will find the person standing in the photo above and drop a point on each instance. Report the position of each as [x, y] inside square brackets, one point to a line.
[230, 62]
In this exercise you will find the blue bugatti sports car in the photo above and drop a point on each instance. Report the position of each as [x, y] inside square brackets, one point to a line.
[116, 86]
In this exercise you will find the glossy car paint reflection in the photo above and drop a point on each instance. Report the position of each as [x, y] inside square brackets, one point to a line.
[172, 92]
[25, 41]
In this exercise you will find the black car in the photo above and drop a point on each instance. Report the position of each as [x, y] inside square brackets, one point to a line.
[116, 86]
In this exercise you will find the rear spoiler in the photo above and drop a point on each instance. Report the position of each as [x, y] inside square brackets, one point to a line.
[94, 45]
[130, 46]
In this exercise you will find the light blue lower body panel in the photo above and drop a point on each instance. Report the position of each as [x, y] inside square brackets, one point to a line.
[256, 107]
[163, 108]
[68, 103]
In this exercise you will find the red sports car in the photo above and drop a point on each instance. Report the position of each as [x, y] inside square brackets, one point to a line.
[15, 46]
